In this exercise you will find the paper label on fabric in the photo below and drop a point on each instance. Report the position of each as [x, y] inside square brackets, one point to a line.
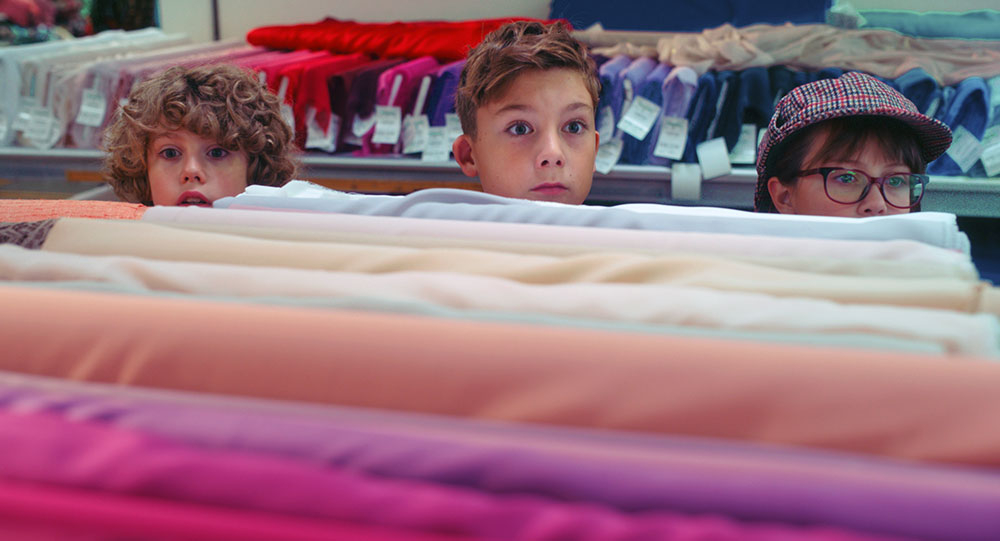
[713, 156]
[438, 145]
[673, 138]
[288, 115]
[990, 155]
[607, 155]
[606, 123]
[994, 83]
[388, 124]
[92, 108]
[3, 126]
[320, 137]
[639, 118]
[360, 126]
[452, 127]
[965, 148]
[415, 133]
[40, 126]
[21, 120]
[685, 181]
[745, 150]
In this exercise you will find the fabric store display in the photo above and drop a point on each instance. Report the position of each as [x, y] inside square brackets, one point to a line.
[312, 99]
[399, 87]
[979, 24]
[922, 90]
[352, 98]
[630, 472]
[701, 114]
[611, 95]
[679, 88]
[940, 412]
[651, 88]
[674, 309]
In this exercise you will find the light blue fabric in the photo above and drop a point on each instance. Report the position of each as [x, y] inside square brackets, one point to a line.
[979, 24]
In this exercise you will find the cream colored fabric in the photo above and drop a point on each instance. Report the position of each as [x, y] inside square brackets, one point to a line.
[658, 305]
[99, 237]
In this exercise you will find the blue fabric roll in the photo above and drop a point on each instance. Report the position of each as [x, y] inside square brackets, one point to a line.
[726, 123]
[635, 151]
[827, 73]
[756, 105]
[677, 91]
[920, 88]
[441, 99]
[611, 93]
[700, 114]
[969, 109]
[784, 80]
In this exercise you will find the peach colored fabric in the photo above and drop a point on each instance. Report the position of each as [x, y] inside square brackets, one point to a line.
[30, 210]
[905, 406]
[808, 47]
[668, 308]
[97, 237]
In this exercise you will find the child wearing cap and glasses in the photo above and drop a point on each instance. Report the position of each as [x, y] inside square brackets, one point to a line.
[850, 146]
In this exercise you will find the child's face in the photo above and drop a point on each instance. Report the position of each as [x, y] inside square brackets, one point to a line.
[536, 141]
[186, 169]
[808, 196]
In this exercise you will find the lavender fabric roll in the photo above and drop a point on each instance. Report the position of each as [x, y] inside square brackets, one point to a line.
[635, 151]
[627, 471]
[701, 113]
[442, 98]
[678, 89]
[611, 94]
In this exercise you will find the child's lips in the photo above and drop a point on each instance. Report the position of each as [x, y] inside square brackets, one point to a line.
[550, 188]
[193, 198]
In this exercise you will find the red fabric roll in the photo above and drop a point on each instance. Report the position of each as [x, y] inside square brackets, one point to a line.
[443, 40]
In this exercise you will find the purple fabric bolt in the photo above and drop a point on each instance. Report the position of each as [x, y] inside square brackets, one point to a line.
[628, 471]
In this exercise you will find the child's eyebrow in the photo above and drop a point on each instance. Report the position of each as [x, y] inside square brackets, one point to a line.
[524, 107]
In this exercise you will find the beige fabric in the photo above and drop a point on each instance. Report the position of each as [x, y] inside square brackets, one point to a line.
[100, 237]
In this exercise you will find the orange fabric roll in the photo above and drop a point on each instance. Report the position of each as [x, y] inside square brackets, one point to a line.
[899, 405]
[30, 210]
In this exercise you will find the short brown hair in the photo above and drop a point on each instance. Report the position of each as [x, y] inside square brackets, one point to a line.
[846, 137]
[220, 102]
[512, 49]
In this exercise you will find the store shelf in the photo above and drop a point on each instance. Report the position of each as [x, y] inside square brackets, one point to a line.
[67, 172]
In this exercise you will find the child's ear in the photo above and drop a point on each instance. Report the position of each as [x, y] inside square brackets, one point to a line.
[462, 149]
[597, 146]
[781, 196]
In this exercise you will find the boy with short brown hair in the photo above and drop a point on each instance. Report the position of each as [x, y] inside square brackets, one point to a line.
[527, 98]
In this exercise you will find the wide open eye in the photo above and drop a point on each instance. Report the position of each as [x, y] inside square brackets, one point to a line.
[519, 128]
[170, 153]
[575, 127]
[217, 152]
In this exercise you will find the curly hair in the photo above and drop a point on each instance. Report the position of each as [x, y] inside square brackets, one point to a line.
[220, 102]
[510, 50]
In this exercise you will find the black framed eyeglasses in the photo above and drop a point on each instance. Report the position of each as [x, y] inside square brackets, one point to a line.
[847, 186]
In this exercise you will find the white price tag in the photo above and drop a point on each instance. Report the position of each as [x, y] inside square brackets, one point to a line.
[639, 118]
[288, 115]
[415, 133]
[360, 126]
[321, 137]
[21, 120]
[40, 128]
[452, 127]
[438, 145]
[965, 148]
[606, 123]
[685, 181]
[713, 156]
[92, 109]
[388, 124]
[745, 150]
[607, 155]
[4, 127]
[673, 138]
[991, 151]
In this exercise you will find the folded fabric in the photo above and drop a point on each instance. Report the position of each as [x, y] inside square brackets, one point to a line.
[627, 471]
[352, 97]
[678, 89]
[935, 228]
[312, 96]
[628, 82]
[442, 97]
[726, 121]
[770, 393]
[611, 95]
[398, 86]
[921, 89]
[674, 309]
[634, 150]
[444, 40]
[973, 24]
[827, 73]
[27, 210]
[969, 109]
[755, 104]
[783, 80]
[701, 114]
